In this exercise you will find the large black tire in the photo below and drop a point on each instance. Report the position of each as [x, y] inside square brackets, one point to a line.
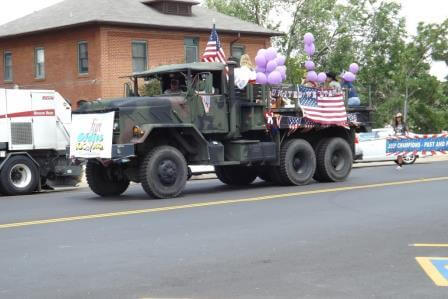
[19, 176]
[297, 162]
[236, 175]
[164, 172]
[103, 181]
[334, 160]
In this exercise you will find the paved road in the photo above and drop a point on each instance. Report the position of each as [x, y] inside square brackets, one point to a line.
[344, 240]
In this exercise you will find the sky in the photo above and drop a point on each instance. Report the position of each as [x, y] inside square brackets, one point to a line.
[415, 11]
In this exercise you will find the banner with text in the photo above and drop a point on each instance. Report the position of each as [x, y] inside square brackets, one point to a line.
[417, 144]
[91, 135]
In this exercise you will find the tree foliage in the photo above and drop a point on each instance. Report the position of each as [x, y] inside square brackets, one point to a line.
[394, 65]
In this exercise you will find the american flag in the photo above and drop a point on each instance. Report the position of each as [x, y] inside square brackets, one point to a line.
[323, 106]
[214, 52]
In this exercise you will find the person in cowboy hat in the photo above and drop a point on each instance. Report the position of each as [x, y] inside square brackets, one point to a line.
[400, 128]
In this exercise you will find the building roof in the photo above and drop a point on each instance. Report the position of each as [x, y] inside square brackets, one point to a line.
[175, 68]
[71, 13]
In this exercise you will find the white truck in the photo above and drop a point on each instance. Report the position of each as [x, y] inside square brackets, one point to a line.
[34, 136]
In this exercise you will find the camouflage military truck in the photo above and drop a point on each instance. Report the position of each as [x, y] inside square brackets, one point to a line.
[205, 120]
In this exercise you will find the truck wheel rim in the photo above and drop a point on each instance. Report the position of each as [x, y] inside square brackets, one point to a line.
[408, 158]
[20, 175]
[300, 163]
[167, 172]
[338, 160]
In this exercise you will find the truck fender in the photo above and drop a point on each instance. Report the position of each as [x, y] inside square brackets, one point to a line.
[9, 155]
[184, 134]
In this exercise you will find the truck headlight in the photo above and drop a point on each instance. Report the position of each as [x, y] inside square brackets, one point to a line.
[137, 131]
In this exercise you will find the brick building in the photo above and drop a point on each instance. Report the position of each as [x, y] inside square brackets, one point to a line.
[84, 48]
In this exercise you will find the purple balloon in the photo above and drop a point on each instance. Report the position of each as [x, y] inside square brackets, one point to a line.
[349, 77]
[309, 65]
[271, 66]
[260, 60]
[281, 69]
[261, 52]
[271, 53]
[280, 59]
[260, 69]
[310, 49]
[354, 68]
[261, 78]
[311, 76]
[308, 38]
[321, 77]
[274, 78]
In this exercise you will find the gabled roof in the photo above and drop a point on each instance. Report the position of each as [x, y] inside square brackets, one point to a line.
[71, 13]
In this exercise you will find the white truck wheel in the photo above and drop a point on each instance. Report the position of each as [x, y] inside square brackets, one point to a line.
[19, 176]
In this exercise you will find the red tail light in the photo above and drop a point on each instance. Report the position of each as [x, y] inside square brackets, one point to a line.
[356, 139]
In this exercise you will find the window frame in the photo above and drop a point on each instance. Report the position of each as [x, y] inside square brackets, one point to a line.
[194, 38]
[141, 42]
[42, 77]
[5, 53]
[79, 57]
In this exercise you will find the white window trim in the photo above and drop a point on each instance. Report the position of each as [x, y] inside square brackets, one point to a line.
[4, 67]
[197, 47]
[146, 54]
[35, 64]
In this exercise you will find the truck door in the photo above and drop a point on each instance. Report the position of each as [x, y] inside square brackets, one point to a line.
[44, 119]
[19, 113]
[212, 116]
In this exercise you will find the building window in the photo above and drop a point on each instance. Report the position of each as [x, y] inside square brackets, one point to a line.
[39, 59]
[7, 66]
[238, 51]
[191, 49]
[83, 58]
[139, 56]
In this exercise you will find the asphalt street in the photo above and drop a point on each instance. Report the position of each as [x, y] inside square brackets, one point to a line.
[355, 239]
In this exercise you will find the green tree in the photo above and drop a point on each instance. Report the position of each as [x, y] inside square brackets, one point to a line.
[255, 11]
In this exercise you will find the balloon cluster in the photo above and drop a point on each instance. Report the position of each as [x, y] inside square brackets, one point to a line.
[310, 49]
[311, 75]
[350, 76]
[270, 67]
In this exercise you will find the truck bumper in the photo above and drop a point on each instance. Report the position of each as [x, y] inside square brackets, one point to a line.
[122, 151]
